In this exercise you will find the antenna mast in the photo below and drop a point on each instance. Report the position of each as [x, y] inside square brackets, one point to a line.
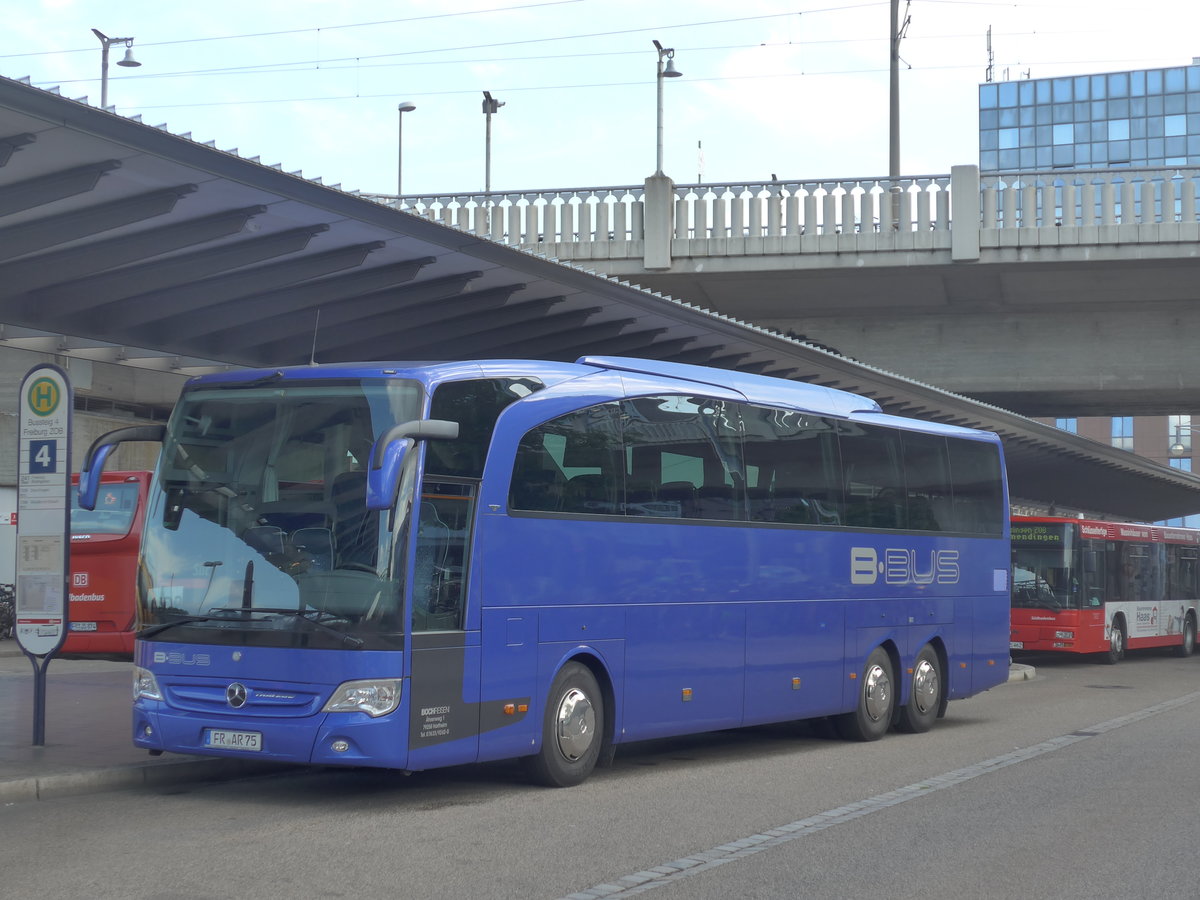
[991, 57]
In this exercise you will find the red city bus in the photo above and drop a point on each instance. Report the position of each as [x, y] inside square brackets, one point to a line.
[104, 556]
[1083, 586]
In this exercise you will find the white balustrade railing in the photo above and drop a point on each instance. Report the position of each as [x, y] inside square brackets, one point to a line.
[783, 209]
[1090, 198]
[532, 217]
[820, 208]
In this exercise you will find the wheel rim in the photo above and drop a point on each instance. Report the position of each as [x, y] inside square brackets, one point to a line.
[1189, 636]
[1117, 641]
[877, 693]
[925, 686]
[576, 724]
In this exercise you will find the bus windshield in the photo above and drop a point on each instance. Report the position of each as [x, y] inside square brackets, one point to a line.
[1051, 568]
[1043, 578]
[116, 505]
[258, 532]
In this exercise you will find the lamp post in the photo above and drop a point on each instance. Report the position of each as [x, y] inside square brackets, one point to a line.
[490, 105]
[666, 69]
[128, 61]
[404, 107]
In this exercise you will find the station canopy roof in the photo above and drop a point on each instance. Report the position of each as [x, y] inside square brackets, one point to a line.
[124, 242]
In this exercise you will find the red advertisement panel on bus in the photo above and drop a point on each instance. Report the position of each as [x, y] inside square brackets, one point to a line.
[104, 553]
[1083, 586]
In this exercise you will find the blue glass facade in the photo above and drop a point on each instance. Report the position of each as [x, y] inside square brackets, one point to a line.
[1148, 117]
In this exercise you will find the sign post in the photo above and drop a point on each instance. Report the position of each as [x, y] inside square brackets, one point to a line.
[43, 524]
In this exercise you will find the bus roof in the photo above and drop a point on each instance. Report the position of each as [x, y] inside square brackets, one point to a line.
[762, 389]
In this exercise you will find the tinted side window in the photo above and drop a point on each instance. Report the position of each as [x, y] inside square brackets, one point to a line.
[475, 406]
[927, 482]
[683, 458]
[573, 463]
[793, 473]
[978, 493]
[873, 475]
[1183, 572]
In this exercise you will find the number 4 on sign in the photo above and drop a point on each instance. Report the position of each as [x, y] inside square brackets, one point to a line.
[42, 456]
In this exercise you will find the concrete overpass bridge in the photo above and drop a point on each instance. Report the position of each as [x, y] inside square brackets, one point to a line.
[1053, 293]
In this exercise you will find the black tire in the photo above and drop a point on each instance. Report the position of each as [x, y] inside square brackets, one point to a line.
[924, 694]
[876, 701]
[572, 729]
[1116, 642]
[1188, 647]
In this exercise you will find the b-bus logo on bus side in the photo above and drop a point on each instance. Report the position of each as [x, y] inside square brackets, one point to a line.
[900, 565]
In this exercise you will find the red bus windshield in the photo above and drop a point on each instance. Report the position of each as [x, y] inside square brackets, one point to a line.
[114, 512]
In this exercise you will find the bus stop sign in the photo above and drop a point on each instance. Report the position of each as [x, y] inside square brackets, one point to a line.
[43, 510]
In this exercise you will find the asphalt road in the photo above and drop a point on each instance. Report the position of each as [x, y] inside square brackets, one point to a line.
[1077, 784]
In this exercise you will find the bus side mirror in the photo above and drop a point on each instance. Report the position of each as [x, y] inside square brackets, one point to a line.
[382, 481]
[102, 448]
[383, 471]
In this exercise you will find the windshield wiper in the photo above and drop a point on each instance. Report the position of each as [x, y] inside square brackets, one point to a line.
[234, 614]
[226, 615]
[303, 614]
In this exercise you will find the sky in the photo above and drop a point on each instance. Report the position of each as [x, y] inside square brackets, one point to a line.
[795, 90]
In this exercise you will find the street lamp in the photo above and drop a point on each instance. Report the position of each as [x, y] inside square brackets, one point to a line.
[1179, 447]
[666, 69]
[129, 62]
[490, 105]
[404, 107]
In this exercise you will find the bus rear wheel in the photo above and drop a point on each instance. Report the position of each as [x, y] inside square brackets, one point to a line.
[572, 729]
[876, 701]
[925, 693]
[1188, 647]
[1116, 643]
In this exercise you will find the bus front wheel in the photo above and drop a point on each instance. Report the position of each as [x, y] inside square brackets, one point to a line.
[572, 726]
[1116, 643]
[876, 701]
[925, 693]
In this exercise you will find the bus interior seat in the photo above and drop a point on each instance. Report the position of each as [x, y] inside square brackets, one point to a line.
[266, 539]
[317, 545]
[718, 501]
[639, 499]
[537, 489]
[681, 492]
[591, 492]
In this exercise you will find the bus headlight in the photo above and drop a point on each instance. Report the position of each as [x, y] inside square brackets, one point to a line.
[375, 697]
[145, 687]
[1065, 635]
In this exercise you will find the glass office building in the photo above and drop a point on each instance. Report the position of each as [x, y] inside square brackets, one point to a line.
[1138, 119]
[1143, 118]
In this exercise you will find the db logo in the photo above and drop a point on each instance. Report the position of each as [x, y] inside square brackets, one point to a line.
[79, 579]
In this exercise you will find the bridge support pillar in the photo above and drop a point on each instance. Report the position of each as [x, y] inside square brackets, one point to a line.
[965, 213]
[659, 204]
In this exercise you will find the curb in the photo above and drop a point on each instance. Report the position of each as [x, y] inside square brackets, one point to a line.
[192, 770]
[1020, 672]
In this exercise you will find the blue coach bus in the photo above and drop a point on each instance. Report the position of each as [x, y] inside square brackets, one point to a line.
[420, 565]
